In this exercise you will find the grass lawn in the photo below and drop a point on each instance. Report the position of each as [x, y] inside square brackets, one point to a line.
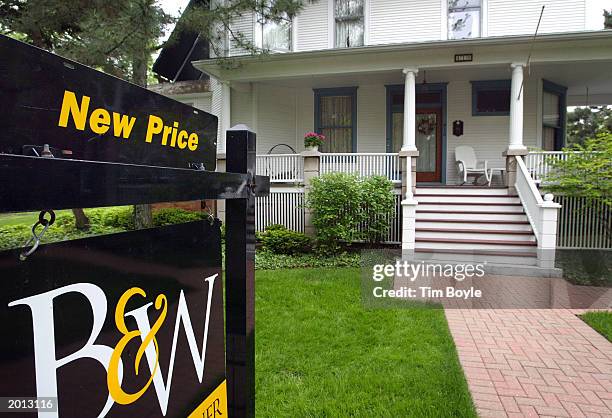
[23, 218]
[600, 322]
[319, 353]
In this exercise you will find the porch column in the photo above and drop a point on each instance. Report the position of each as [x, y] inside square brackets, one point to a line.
[226, 113]
[409, 142]
[408, 155]
[312, 169]
[515, 137]
[517, 92]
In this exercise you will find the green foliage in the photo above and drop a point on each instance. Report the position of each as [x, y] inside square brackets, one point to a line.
[334, 200]
[266, 260]
[280, 240]
[341, 202]
[585, 173]
[378, 204]
[588, 122]
[171, 216]
[102, 221]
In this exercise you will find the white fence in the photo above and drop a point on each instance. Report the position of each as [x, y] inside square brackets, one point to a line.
[283, 206]
[364, 164]
[282, 168]
[582, 226]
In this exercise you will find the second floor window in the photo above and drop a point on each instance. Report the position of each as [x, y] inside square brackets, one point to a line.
[273, 34]
[349, 22]
[464, 18]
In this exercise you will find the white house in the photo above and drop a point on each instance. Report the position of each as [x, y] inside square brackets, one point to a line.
[399, 85]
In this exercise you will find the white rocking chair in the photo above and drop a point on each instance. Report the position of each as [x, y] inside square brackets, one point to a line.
[468, 165]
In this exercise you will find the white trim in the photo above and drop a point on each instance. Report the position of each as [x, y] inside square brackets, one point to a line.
[444, 20]
[294, 34]
[254, 106]
[484, 18]
[366, 22]
[331, 24]
[257, 32]
[539, 113]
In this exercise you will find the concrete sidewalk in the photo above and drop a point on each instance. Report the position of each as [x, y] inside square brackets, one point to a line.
[533, 362]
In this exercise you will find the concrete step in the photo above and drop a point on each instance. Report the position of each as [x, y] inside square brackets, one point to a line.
[492, 257]
[475, 244]
[432, 215]
[446, 207]
[460, 199]
[480, 225]
[475, 234]
[462, 190]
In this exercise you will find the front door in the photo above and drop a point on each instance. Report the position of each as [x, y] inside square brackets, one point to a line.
[429, 143]
[428, 127]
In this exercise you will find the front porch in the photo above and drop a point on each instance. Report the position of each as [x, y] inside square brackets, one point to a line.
[405, 122]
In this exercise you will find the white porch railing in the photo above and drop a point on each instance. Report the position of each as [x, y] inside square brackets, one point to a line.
[282, 168]
[542, 214]
[538, 163]
[529, 195]
[364, 164]
[284, 205]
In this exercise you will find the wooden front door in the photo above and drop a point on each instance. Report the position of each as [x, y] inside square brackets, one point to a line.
[429, 143]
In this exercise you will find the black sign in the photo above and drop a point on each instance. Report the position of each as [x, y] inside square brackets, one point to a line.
[124, 325]
[458, 127]
[84, 114]
[464, 57]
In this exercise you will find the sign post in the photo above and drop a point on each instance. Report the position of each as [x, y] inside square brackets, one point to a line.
[240, 278]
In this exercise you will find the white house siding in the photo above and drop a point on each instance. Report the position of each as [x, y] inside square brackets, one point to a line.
[244, 25]
[284, 114]
[215, 107]
[520, 17]
[488, 135]
[394, 21]
[312, 27]
[371, 118]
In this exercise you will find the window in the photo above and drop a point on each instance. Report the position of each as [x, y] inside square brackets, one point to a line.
[273, 34]
[553, 116]
[349, 19]
[336, 118]
[491, 98]
[464, 18]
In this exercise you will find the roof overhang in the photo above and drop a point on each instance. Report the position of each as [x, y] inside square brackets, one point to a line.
[564, 47]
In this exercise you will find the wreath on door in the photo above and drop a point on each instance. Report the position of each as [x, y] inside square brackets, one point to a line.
[427, 125]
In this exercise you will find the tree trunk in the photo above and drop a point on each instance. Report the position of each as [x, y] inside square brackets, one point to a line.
[81, 221]
[143, 214]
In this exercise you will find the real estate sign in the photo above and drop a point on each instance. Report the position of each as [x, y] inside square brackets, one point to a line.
[128, 324]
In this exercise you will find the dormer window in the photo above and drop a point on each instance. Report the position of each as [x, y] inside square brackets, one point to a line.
[272, 34]
[348, 15]
[464, 18]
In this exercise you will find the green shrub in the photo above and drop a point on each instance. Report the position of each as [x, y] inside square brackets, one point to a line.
[378, 205]
[102, 221]
[334, 202]
[170, 216]
[284, 241]
[265, 260]
[341, 202]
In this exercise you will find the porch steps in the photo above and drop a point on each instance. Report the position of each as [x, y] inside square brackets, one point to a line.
[473, 224]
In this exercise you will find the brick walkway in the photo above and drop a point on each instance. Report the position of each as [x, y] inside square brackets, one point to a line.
[539, 362]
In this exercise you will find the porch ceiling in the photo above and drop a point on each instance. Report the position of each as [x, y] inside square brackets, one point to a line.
[567, 47]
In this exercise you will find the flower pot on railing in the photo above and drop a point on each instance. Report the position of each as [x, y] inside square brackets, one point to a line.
[313, 140]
